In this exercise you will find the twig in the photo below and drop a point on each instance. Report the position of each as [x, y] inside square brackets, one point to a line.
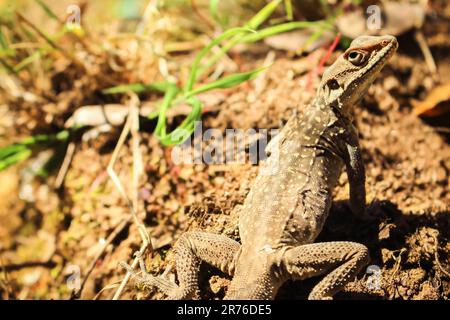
[436, 257]
[429, 60]
[50, 41]
[117, 230]
[112, 174]
[65, 165]
[82, 41]
[138, 167]
[129, 274]
[30, 264]
[107, 80]
[201, 15]
[398, 261]
[7, 66]
[108, 287]
[132, 124]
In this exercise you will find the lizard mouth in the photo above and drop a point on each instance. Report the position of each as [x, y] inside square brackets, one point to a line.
[383, 55]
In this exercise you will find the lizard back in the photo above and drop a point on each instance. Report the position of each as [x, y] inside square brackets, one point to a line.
[290, 201]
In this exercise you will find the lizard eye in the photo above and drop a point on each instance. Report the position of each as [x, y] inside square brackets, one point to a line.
[356, 57]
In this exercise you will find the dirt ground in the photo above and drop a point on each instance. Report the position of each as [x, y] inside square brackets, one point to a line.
[407, 162]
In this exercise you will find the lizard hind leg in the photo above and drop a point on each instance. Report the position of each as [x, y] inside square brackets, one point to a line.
[191, 249]
[343, 260]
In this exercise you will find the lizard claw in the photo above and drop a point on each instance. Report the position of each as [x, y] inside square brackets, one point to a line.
[127, 267]
[145, 279]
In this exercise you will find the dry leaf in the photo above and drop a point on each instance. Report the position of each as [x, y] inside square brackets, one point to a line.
[436, 103]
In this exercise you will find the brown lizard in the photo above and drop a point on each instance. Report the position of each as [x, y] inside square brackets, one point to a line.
[285, 211]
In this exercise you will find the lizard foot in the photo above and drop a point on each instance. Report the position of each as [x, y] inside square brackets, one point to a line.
[143, 278]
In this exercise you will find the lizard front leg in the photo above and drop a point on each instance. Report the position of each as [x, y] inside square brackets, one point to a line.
[356, 175]
[344, 260]
[190, 250]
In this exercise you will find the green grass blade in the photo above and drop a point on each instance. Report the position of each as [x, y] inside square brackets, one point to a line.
[263, 14]
[326, 8]
[227, 82]
[253, 24]
[14, 158]
[32, 141]
[3, 41]
[7, 53]
[194, 70]
[20, 151]
[160, 130]
[270, 31]
[315, 36]
[213, 9]
[138, 88]
[6, 50]
[289, 11]
[62, 135]
[187, 127]
[28, 60]
[45, 138]
[7, 151]
[54, 162]
[47, 10]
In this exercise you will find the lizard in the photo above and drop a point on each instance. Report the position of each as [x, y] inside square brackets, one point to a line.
[287, 206]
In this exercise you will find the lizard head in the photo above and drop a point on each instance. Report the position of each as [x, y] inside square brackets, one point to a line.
[349, 77]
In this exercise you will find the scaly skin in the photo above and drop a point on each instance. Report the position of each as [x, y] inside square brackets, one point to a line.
[287, 207]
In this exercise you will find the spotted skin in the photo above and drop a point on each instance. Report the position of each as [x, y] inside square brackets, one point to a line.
[287, 207]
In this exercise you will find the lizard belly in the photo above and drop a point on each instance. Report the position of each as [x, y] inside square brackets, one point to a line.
[306, 221]
[313, 203]
[290, 209]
